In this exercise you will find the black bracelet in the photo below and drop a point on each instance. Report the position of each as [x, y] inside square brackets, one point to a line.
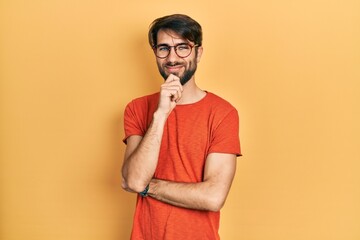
[144, 193]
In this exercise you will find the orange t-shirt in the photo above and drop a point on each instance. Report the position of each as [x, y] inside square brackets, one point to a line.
[191, 132]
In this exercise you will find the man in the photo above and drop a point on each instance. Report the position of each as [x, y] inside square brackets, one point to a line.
[182, 143]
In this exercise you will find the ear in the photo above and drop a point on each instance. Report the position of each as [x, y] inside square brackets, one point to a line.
[199, 53]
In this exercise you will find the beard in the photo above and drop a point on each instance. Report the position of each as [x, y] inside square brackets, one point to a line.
[185, 77]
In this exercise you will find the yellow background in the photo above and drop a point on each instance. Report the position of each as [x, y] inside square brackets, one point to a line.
[292, 69]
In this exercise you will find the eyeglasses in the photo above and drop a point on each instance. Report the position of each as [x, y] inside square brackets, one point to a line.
[182, 50]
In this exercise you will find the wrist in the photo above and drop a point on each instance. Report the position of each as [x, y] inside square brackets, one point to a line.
[153, 187]
[145, 192]
[160, 116]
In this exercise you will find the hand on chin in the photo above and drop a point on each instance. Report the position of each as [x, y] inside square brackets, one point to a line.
[176, 73]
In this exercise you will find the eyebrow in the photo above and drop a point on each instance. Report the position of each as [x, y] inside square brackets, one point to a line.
[164, 44]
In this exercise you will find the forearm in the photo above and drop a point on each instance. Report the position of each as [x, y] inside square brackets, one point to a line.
[141, 155]
[210, 194]
[200, 196]
[140, 163]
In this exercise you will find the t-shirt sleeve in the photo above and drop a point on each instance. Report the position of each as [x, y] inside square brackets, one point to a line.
[225, 137]
[132, 122]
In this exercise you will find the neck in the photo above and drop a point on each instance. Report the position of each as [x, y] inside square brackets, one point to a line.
[192, 93]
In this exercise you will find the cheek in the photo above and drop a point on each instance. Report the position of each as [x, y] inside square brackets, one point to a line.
[194, 61]
[192, 64]
[158, 62]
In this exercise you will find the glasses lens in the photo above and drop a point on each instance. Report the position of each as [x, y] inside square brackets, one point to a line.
[183, 50]
[162, 51]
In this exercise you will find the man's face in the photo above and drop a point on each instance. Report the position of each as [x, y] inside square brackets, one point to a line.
[184, 68]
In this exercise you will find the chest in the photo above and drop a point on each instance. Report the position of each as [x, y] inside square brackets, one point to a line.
[184, 148]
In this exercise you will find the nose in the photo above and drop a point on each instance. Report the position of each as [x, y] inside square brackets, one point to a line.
[172, 57]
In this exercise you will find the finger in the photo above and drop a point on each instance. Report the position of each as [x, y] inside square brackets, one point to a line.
[174, 83]
[172, 78]
[176, 88]
[173, 94]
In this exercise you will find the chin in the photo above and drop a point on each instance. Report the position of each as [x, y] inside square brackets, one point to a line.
[184, 82]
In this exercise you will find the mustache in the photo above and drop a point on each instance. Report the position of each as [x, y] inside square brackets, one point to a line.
[173, 64]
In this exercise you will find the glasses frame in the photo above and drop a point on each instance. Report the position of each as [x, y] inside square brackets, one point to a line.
[165, 45]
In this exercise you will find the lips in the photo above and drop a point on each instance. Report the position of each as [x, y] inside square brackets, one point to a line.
[173, 68]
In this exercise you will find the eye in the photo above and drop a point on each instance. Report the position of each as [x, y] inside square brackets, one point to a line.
[163, 48]
[183, 47]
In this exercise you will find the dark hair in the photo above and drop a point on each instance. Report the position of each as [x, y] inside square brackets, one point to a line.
[181, 24]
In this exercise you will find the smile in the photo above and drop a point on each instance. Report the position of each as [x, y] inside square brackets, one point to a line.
[173, 68]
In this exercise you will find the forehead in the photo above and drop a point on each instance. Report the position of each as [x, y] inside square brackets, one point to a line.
[165, 36]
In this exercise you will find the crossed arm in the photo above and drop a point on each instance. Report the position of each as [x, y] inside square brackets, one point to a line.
[210, 194]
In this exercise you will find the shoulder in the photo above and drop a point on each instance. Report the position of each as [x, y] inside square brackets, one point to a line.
[142, 108]
[219, 104]
[144, 102]
[154, 97]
